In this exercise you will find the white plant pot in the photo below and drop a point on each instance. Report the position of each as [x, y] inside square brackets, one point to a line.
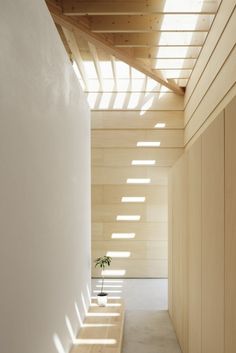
[102, 299]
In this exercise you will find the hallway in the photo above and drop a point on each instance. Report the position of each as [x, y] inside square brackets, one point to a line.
[148, 328]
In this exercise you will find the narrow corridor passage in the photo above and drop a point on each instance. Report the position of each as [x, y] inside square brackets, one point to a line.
[148, 328]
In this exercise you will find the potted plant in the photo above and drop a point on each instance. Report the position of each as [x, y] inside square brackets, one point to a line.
[102, 262]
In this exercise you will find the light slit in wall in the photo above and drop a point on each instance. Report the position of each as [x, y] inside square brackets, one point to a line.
[113, 273]
[143, 162]
[148, 144]
[133, 199]
[123, 235]
[138, 180]
[128, 218]
[120, 254]
[160, 125]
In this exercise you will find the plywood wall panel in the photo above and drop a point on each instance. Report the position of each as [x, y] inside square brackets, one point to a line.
[116, 176]
[213, 237]
[122, 157]
[129, 138]
[148, 213]
[230, 228]
[143, 231]
[195, 246]
[123, 119]
[138, 249]
[180, 252]
[109, 194]
[138, 268]
[213, 79]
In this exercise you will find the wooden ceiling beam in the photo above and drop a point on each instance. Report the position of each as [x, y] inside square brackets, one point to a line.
[107, 7]
[73, 25]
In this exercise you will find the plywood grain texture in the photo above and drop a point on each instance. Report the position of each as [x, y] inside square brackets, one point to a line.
[195, 247]
[213, 237]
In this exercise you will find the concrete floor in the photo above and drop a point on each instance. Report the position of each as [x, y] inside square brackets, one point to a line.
[148, 328]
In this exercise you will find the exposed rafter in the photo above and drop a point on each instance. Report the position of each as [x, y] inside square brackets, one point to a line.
[108, 7]
[98, 40]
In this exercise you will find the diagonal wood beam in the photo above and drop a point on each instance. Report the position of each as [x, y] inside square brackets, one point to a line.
[78, 29]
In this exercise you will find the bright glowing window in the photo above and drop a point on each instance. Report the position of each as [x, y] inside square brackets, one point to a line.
[128, 217]
[118, 253]
[113, 273]
[148, 144]
[143, 162]
[133, 199]
[106, 69]
[123, 235]
[138, 180]
[105, 100]
[119, 101]
[90, 69]
[133, 100]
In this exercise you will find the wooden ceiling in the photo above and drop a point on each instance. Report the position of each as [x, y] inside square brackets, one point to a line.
[161, 39]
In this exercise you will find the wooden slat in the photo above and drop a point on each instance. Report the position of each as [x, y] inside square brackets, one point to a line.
[99, 41]
[104, 7]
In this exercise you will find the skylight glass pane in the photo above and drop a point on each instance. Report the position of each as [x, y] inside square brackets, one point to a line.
[137, 84]
[90, 69]
[133, 101]
[108, 84]
[93, 85]
[123, 84]
[119, 101]
[105, 100]
[106, 69]
[185, 22]
[151, 84]
[122, 69]
[136, 74]
[183, 5]
[174, 63]
[172, 52]
[182, 38]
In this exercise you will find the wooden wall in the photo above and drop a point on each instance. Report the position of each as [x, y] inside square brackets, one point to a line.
[202, 240]
[115, 134]
[212, 83]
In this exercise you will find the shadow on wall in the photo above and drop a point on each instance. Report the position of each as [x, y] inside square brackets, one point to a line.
[81, 311]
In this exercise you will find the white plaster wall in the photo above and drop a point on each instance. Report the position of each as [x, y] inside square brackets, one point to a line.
[44, 184]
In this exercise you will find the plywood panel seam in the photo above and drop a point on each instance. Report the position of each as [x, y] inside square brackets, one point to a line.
[210, 85]
[186, 103]
[205, 121]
